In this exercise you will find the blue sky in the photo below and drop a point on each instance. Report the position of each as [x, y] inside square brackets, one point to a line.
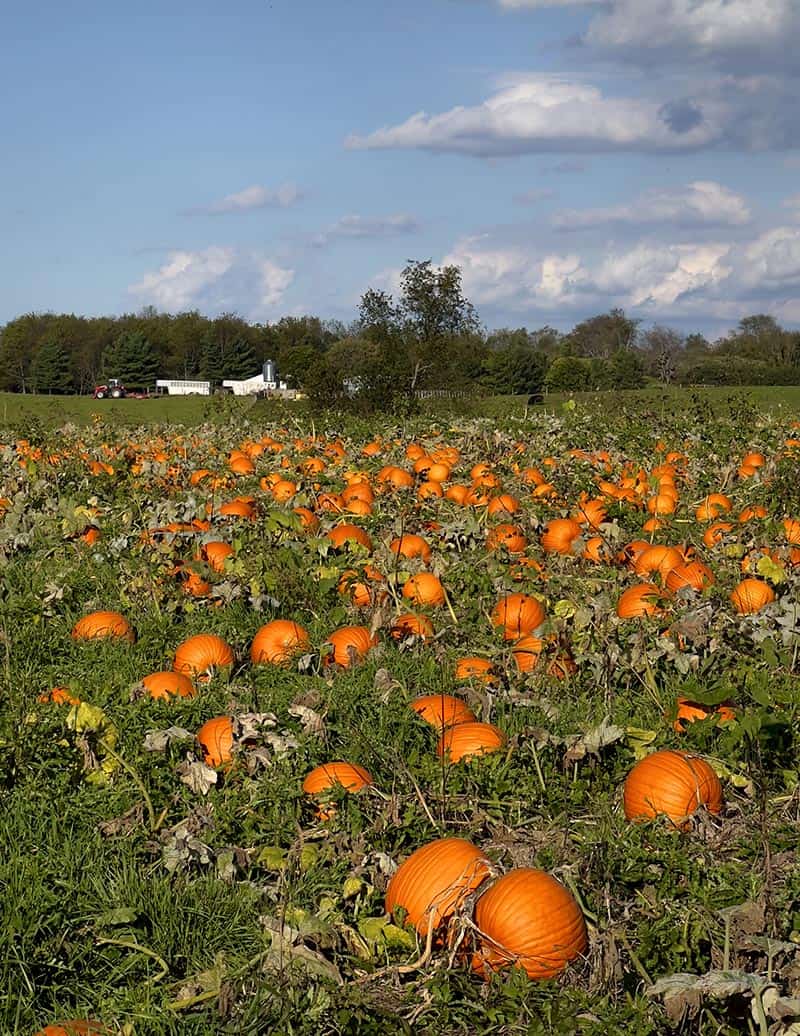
[274, 157]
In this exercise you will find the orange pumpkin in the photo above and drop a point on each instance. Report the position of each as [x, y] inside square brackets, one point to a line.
[518, 614]
[657, 560]
[349, 776]
[59, 696]
[344, 536]
[690, 573]
[442, 710]
[410, 545]
[164, 685]
[424, 589]
[638, 601]
[526, 919]
[713, 505]
[692, 710]
[474, 668]
[751, 595]
[215, 554]
[673, 783]
[350, 644]
[511, 537]
[278, 642]
[200, 655]
[411, 625]
[75, 1027]
[560, 535]
[216, 740]
[433, 883]
[323, 779]
[526, 652]
[103, 625]
[715, 533]
[468, 739]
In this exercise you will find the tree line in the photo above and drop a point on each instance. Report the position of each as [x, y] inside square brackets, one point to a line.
[429, 338]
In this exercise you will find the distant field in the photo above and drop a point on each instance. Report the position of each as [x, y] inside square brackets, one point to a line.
[55, 411]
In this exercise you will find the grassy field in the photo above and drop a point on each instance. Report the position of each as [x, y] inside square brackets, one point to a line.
[55, 411]
[160, 895]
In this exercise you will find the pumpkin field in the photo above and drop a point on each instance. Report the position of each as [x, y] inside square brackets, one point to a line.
[451, 724]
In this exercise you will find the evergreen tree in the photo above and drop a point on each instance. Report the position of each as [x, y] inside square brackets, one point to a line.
[240, 360]
[212, 360]
[131, 358]
[50, 369]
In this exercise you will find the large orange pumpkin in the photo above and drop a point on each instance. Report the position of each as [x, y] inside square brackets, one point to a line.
[103, 625]
[349, 776]
[164, 685]
[435, 880]
[506, 535]
[638, 601]
[215, 554]
[200, 655]
[442, 710]
[278, 642]
[350, 643]
[693, 574]
[424, 588]
[409, 545]
[518, 614]
[344, 536]
[410, 624]
[526, 919]
[560, 535]
[672, 783]
[751, 595]
[216, 740]
[467, 739]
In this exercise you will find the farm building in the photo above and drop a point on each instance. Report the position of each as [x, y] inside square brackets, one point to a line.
[183, 388]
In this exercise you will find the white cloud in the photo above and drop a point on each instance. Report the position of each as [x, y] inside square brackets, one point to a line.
[256, 197]
[703, 202]
[772, 261]
[697, 28]
[184, 277]
[655, 280]
[360, 227]
[215, 279]
[541, 113]
[275, 280]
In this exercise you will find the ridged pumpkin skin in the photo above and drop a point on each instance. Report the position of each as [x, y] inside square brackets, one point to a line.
[751, 595]
[278, 642]
[103, 625]
[559, 536]
[411, 625]
[216, 740]
[201, 654]
[435, 880]
[165, 685]
[518, 614]
[409, 545]
[349, 641]
[638, 601]
[467, 739]
[657, 560]
[690, 573]
[349, 776]
[423, 589]
[442, 710]
[528, 920]
[672, 783]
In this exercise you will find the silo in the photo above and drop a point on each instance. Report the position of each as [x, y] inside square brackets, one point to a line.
[270, 371]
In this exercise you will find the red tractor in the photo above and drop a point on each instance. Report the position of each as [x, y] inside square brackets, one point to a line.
[114, 389]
